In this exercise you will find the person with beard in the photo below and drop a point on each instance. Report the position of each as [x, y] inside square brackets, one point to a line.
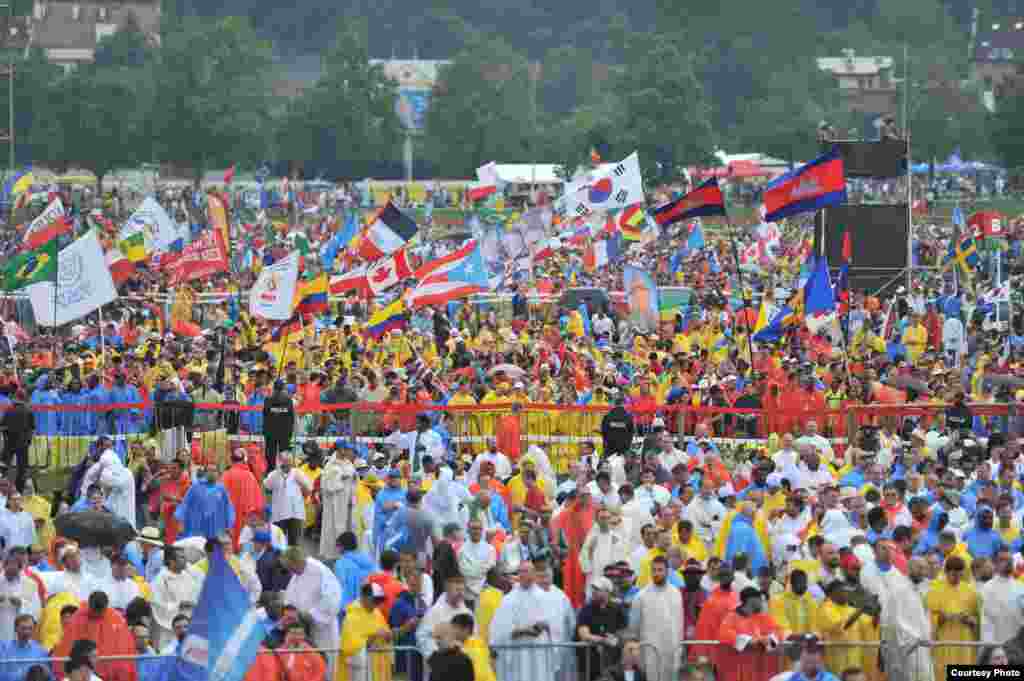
[748, 638]
[1001, 614]
[983, 540]
[720, 602]
[656, 617]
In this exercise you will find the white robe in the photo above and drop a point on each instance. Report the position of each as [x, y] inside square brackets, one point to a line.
[707, 516]
[601, 549]
[121, 483]
[474, 562]
[66, 582]
[561, 618]
[1002, 610]
[656, 616]
[317, 592]
[903, 624]
[170, 590]
[122, 592]
[338, 494]
[520, 610]
[448, 500]
[24, 589]
[440, 612]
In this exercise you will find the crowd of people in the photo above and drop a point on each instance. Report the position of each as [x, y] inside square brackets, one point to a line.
[530, 491]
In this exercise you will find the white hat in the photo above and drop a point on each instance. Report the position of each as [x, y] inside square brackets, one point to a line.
[602, 584]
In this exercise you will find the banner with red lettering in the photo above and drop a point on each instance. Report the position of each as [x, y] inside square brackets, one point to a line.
[205, 256]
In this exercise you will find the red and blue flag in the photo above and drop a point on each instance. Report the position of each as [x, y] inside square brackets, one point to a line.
[705, 200]
[820, 183]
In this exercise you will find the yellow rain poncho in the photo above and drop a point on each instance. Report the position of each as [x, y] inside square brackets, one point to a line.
[359, 625]
[829, 623]
[51, 629]
[946, 603]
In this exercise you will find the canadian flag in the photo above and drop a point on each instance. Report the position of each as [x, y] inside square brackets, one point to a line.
[388, 271]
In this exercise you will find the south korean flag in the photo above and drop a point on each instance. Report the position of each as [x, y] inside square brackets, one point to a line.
[610, 187]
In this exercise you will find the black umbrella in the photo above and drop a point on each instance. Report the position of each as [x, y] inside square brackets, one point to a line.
[94, 528]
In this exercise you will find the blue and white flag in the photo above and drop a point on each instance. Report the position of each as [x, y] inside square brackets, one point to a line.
[226, 632]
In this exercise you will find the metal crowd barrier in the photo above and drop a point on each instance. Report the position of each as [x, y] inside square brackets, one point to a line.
[570, 661]
[511, 428]
[573, 661]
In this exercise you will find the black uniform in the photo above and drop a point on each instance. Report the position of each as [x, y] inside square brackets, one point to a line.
[19, 427]
[959, 417]
[278, 425]
[617, 431]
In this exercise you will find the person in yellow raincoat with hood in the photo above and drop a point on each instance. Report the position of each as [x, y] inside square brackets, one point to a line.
[365, 627]
[954, 606]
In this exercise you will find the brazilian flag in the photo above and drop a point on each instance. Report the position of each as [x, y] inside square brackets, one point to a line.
[31, 267]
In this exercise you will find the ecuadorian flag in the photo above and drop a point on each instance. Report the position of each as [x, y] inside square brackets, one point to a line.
[394, 316]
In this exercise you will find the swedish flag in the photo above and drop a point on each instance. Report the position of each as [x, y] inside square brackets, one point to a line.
[964, 253]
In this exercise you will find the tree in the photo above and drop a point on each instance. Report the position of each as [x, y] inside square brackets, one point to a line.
[1007, 124]
[100, 118]
[483, 109]
[212, 107]
[666, 115]
[349, 115]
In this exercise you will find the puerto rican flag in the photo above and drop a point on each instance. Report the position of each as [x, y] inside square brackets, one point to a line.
[457, 275]
[389, 232]
[388, 271]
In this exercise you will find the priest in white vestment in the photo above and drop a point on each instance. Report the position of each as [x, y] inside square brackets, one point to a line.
[520, 619]
[338, 498]
[450, 604]
[1002, 603]
[603, 546]
[177, 584]
[476, 558]
[904, 622]
[656, 617]
[315, 590]
[561, 620]
[18, 596]
[122, 589]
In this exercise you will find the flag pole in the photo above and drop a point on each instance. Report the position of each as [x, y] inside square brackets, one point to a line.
[103, 340]
[747, 300]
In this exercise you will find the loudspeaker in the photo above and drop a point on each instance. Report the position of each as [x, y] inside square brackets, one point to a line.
[878, 236]
[885, 158]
